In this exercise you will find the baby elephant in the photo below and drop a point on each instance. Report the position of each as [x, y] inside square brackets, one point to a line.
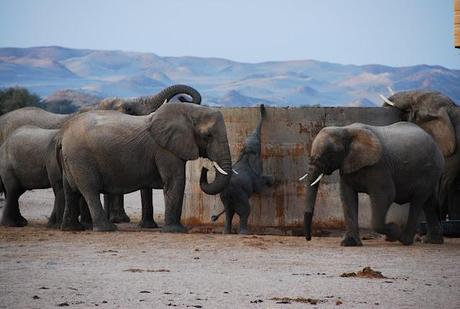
[247, 178]
[398, 163]
[28, 161]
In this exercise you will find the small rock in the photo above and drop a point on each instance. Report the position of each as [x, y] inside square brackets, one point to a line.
[144, 292]
[35, 297]
[65, 304]
[338, 303]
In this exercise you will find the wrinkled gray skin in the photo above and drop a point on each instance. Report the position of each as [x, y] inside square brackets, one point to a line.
[38, 117]
[28, 161]
[438, 115]
[151, 152]
[386, 163]
[249, 180]
[114, 204]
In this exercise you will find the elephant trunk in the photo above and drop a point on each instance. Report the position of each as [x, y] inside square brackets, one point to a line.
[223, 169]
[168, 93]
[312, 191]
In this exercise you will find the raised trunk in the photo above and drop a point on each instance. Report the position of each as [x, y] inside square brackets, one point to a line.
[154, 102]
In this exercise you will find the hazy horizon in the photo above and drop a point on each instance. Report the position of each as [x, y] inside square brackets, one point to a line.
[356, 32]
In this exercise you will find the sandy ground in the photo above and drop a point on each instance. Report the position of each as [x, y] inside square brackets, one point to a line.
[41, 268]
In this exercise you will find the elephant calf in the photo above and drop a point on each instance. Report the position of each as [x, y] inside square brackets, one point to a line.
[28, 161]
[246, 180]
[397, 163]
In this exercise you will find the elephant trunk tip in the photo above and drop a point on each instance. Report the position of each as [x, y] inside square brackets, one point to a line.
[308, 216]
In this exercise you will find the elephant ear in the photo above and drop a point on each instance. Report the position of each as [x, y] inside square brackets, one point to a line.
[439, 126]
[364, 150]
[174, 131]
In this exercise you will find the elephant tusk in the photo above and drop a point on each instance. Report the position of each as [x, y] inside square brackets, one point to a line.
[317, 180]
[219, 168]
[303, 177]
[166, 101]
[234, 171]
[390, 90]
[386, 100]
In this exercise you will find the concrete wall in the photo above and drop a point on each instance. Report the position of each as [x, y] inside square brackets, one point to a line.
[287, 135]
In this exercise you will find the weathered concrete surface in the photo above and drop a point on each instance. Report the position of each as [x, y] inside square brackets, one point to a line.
[286, 140]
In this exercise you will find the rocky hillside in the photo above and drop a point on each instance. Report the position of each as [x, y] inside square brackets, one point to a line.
[46, 70]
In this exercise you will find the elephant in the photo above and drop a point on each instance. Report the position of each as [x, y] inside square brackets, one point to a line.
[398, 163]
[438, 115]
[246, 180]
[145, 105]
[28, 161]
[38, 117]
[114, 153]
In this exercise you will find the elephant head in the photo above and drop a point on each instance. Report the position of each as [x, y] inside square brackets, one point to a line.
[431, 111]
[347, 148]
[147, 105]
[190, 131]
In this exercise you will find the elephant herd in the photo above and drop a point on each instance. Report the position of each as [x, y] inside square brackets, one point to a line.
[120, 146]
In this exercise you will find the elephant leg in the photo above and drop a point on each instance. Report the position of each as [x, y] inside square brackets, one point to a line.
[229, 213]
[244, 210]
[71, 210]
[147, 220]
[174, 195]
[99, 217]
[114, 207]
[416, 207]
[85, 216]
[380, 203]
[55, 219]
[11, 214]
[434, 228]
[349, 199]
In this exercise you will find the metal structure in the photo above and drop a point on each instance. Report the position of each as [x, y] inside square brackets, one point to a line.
[287, 136]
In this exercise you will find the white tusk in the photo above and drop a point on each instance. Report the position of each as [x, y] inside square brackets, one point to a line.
[386, 100]
[166, 101]
[317, 180]
[303, 177]
[234, 171]
[390, 90]
[219, 168]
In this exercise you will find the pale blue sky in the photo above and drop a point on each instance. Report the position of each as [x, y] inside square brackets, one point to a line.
[391, 32]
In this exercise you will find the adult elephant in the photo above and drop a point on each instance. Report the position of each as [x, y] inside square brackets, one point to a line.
[114, 153]
[28, 161]
[246, 180]
[144, 105]
[386, 163]
[438, 115]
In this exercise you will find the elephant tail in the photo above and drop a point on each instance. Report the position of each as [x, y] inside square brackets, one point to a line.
[215, 217]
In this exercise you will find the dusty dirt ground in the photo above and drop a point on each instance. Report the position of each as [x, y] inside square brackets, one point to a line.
[41, 268]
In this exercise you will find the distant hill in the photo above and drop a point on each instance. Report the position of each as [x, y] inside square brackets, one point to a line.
[47, 70]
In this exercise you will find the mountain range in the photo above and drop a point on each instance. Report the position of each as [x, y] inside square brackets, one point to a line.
[83, 76]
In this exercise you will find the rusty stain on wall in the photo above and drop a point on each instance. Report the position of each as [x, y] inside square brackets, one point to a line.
[287, 135]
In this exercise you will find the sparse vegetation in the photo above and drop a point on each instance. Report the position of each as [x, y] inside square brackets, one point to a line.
[16, 97]
[61, 106]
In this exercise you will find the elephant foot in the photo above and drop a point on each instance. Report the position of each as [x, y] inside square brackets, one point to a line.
[406, 240]
[52, 224]
[72, 226]
[392, 232]
[227, 230]
[244, 231]
[119, 218]
[433, 239]
[176, 228]
[148, 224]
[350, 241]
[87, 225]
[18, 221]
[104, 227]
